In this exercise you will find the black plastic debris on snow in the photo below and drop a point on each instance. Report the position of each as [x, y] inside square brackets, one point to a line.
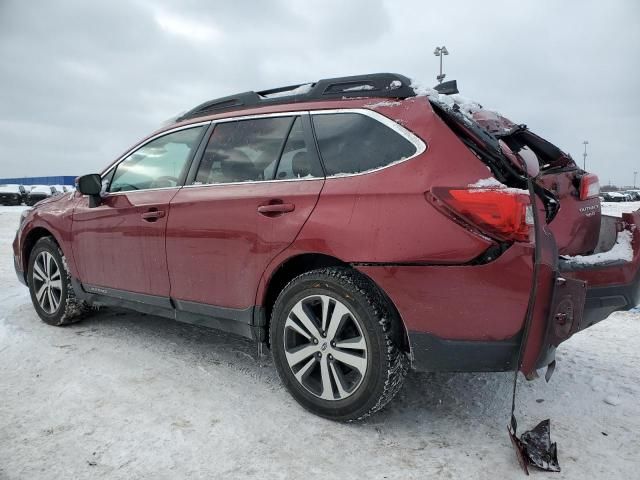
[534, 447]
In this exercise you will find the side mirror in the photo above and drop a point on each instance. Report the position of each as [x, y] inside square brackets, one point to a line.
[90, 185]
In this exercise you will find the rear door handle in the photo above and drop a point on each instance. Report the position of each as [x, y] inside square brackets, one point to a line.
[152, 215]
[274, 209]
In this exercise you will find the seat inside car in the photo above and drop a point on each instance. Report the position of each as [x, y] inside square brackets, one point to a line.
[300, 165]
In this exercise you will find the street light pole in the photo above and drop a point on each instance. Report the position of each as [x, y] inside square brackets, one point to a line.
[584, 156]
[635, 174]
[439, 52]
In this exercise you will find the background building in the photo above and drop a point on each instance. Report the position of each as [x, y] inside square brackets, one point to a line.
[56, 180]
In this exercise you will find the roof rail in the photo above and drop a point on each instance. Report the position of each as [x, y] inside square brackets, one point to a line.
[390, 85]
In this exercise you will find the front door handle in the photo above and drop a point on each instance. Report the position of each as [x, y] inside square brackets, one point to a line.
[274, 209]
[152, 215]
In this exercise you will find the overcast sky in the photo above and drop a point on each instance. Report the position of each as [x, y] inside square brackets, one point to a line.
[81, 81]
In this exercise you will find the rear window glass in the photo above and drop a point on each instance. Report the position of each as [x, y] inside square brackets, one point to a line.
[355, 143]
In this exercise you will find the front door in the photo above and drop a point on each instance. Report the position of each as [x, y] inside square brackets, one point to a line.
[120, 244]
[256, 185]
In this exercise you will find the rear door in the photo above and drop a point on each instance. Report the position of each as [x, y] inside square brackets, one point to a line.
[120, 244]
[257, 183]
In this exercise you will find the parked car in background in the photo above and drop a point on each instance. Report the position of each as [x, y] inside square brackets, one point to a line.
[38, 193]
[60, 189]
[634, 194]
[615, 197]
[12, 194]
[355, 226]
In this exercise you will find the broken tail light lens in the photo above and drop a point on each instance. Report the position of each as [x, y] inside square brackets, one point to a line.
[501, 213]
[589, 186]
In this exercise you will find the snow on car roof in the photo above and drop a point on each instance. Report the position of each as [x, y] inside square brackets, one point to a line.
[41, 189]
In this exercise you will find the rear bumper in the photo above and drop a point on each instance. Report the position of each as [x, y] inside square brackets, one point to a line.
[470, 318]
[434, 354]
[603, 301]
[612, 285]
[462, 318]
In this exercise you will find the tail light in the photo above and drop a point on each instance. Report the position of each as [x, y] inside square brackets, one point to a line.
[589, 186]
[502, 213]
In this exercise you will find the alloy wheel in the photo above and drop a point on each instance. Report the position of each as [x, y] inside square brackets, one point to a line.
[325, 348]
[47, 282]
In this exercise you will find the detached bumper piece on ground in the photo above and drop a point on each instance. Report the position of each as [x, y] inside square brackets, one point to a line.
[534, 447]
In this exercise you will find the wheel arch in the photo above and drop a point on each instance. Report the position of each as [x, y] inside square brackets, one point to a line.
[305, 262]
[30, 241]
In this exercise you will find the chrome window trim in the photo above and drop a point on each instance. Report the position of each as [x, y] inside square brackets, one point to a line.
[298, 113]
[123, 157]
[417, 142]
[255, 116]
[127, 192]
[253, 182]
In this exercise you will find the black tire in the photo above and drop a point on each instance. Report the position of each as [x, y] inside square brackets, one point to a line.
[69, 308]
[386, 363]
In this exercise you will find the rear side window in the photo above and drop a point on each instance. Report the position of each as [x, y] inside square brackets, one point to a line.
[243, 151]
[354, 143]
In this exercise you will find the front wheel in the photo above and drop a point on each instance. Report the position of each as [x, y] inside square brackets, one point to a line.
[335, 344]
[50, 285]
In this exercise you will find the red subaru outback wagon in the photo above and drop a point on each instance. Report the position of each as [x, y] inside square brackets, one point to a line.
[356, 226]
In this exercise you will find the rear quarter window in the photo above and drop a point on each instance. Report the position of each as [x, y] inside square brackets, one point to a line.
[354, 143]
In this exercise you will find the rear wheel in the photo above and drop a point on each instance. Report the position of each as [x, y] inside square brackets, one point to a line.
[50, 285]
[334, 346]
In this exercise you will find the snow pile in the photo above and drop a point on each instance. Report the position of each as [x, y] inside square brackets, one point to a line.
[616, 209]
[385, 103]
[359, 88]
[467, 106]
[492, 183]
[301, 90]
[488, 183]
[621, 251]
[9, 189]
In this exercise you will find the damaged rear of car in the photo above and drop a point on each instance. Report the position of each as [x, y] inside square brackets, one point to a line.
[586, 265]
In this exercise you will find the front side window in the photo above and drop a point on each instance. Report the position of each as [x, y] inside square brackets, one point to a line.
[355, 143]
[157, 164]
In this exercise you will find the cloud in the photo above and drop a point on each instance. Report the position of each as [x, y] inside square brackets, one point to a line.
[81, 81]
[188, 29]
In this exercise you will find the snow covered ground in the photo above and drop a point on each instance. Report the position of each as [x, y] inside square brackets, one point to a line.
[130, 396]
[616, 209]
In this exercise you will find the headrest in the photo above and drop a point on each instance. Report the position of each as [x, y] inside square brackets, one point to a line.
[300, 164]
